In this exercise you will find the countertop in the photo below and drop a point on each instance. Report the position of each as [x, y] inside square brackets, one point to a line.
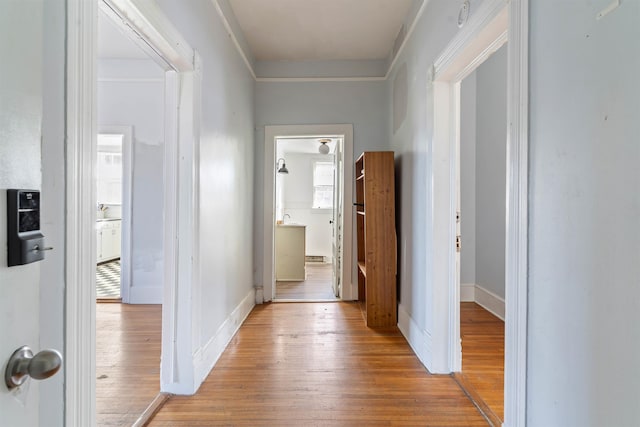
[291, 225]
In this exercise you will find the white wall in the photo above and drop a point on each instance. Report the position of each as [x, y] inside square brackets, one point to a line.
[468, 180]
[131, 93]
[226, 183]
[584, 219]
[363, 104]
[491, 146]
[298, 201]
[21, 102]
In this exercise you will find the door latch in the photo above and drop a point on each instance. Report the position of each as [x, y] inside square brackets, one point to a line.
[458, 243]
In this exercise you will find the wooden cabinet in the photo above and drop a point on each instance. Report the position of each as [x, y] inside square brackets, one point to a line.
[108, 240]
[377, 248]
[290, 252]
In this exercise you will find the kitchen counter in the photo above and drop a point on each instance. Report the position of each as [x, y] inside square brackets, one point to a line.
[108, 219]
[290, 252]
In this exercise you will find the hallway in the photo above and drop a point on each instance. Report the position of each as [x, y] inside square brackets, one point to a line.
[317, 364]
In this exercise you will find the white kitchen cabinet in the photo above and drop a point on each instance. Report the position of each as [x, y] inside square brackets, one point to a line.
[290, 252]
[108, 239]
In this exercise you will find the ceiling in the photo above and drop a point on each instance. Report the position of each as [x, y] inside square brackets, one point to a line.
[320, 29]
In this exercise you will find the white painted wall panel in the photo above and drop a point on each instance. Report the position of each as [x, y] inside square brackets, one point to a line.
[584, 269]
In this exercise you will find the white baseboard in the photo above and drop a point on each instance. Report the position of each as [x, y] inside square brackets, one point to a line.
[145, 295]
[206, 357]
[467, 292]
[418, 339]
[259, 295]
[490, 301]
[470, 292]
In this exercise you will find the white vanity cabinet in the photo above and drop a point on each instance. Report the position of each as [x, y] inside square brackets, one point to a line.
[290, 252]
[108, 238]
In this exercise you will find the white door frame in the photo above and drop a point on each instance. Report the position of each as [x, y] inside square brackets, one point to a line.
[489, 27]
[155, 29]
[127, 213]
[272, 133]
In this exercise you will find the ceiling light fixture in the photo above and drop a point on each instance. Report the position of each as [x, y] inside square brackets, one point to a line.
[283, 168]
[323, 148]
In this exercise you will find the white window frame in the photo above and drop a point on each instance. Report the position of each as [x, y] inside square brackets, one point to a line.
[317, 187]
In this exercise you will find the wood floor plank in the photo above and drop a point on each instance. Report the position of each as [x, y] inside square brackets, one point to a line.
[483, 356]
[317, 286]
[127, 361]
[317, 364]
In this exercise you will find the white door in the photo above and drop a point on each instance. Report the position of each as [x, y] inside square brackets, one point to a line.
[21, 38]
[337, 218]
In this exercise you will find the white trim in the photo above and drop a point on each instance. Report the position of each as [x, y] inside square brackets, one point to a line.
[423, 7]
[207, 356]
[79, 360]
[472, 39]
[127, 205]
[169, 363]
[348, 291]
[234, 39]
[130, 80]
[490, 301]
[467, 292]
[515, 365]
[419, 340]
[150, 23]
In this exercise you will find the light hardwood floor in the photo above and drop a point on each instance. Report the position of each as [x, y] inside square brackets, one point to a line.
[316, 364]
[318, 286]
[127, 361]
[483, 357]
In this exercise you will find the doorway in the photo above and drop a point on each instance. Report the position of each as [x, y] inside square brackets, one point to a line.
[482, 222]
[129, 195]
[181, 71]
[332, 188]
[308, 226]
[484, 33]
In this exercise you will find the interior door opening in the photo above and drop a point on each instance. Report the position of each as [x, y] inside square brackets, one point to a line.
[481, 225]
[129, 220]
[308, 218]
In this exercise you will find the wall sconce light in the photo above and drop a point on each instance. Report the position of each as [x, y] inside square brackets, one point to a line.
[283, 168]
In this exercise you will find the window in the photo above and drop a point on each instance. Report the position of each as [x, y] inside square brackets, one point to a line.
[109, 169]
[323, 185]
